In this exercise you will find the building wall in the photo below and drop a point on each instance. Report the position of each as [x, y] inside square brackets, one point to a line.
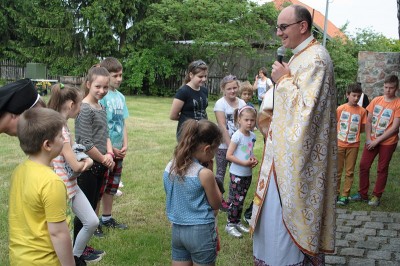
[373, 67]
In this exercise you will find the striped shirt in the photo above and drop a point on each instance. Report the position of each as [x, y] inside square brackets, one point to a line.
[91, 128]
[59, 167]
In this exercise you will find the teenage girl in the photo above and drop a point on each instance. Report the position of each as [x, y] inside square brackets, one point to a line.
[223, 110]
[92, 132]
[240, 154]
[193, 197]
[191, 100]
[67, 101]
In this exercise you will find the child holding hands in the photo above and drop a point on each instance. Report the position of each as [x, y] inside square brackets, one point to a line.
[240, 154]
[67, 101]
[193, 197]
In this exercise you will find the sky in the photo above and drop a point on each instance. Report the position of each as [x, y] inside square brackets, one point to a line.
[378, 15]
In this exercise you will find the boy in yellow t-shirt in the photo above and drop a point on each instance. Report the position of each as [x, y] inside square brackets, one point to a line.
[351, 119]
[38, 231]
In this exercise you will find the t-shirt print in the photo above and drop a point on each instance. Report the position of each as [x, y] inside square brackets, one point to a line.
[349, 124]
[380, 120]
[199, 110]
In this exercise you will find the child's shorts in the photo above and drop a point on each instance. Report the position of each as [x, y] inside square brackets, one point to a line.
[197, 243]
[112, 179]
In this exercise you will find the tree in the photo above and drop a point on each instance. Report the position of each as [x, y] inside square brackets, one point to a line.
[398, 15]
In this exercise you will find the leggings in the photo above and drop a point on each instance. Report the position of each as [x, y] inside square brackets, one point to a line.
[238, 188]
[222, 163]
[90, 185]
[83, 210]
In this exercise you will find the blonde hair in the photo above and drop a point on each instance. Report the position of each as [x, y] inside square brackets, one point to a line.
[246, 86]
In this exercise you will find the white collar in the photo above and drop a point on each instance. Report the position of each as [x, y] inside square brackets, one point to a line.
[303, 45]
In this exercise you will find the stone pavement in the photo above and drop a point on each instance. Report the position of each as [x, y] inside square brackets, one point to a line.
[366, 238]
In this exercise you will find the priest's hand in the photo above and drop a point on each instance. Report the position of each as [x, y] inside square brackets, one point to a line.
[279, 70]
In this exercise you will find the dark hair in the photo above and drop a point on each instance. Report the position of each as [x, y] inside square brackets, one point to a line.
[228, 79]
[37, 125]
[354, 87]
[239, 111]
[263, 70]
[61, 93]
[193, 134]
[195, 67]
[92, 73]
[302, 14]
[111, 64]
[392, 79]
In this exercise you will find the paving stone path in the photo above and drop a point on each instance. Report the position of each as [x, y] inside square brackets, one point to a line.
[366, 238]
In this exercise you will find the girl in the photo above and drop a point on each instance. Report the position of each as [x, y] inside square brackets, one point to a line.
[67, 101]
[91, 131]
[262, 84]
[193, 197]
[223, 110]
[191, 100]
[240, 154]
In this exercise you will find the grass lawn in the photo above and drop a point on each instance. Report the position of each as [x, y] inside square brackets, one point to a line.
[142, 206]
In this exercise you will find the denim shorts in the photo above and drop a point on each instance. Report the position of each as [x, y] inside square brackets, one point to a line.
[197, 243]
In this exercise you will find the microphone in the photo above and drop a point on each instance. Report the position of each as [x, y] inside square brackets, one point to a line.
[280, 53]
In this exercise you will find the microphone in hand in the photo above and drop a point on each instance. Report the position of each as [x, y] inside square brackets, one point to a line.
[280, 53]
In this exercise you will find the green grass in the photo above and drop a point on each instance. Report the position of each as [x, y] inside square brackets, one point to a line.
[142, 207]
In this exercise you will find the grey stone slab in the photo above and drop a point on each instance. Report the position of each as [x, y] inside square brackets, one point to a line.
[395, 215]
[387, 263]
[335, 260]
[355, 237]
[346, 216]
[339, 235]
[340, 222]
[361, 262]
[360, 212]
[367, 244]
[375, 225]
[363, 218]
[393, 226]
[342, 243]
[391, 247]
[395, 241]
[389, 233]
[383, 219]
[340, 210]
[379, 214]
[354, 223]
[397, 256]
[379, 254]
[378, 239]
[344, 229]
[365, 231]
[354, 252]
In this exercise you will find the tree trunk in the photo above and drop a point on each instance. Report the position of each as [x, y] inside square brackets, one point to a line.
[398, 15]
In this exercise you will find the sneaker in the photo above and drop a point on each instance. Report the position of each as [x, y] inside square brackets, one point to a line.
[357, 197]
[247, 219]
[118, 193]
[79, 261]
[375, 201]
[97, 252]
[90, 257]
[231, 230]
[121, 184]
[98, 232]
[224, 206]
[112, 223]
[242, 228]
[343, 201]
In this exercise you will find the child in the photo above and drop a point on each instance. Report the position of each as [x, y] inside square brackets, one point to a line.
[246, 92]
[191, 100]
[193, 197]
[240, 154]
[117, 112]
[67, 101]
[223, 110]
[38, 231]
[381, 131]
[15, 98]
[91, 131]
[351, 119]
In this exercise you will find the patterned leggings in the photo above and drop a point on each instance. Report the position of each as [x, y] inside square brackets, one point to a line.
[238, 188]
[222, 163]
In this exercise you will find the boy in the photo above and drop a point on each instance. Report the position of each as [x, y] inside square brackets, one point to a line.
[38, 231]
[15, 98]
[117, 112]
[246, 92]
[351, 119]
[381, 130]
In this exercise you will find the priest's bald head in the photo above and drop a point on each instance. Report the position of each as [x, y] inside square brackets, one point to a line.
[294, 25]
[15, 98]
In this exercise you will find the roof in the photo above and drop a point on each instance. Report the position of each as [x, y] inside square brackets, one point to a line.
[318, 18]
